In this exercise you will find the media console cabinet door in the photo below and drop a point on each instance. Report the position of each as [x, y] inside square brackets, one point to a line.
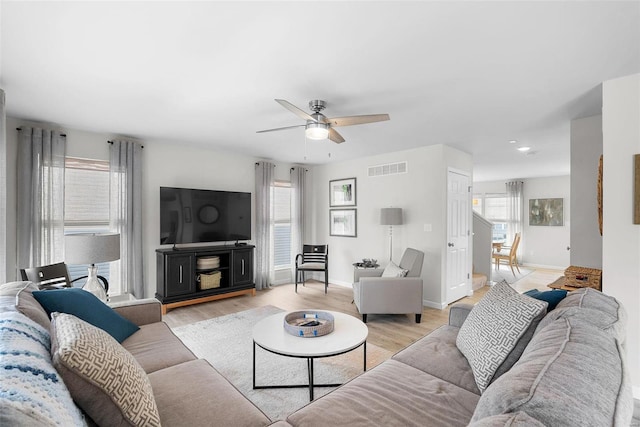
[179, 275]
[242, 266]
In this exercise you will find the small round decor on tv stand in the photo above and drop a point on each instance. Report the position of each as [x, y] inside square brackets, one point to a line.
[308, 324]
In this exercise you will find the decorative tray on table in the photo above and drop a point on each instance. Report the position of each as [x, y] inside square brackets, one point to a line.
[308, 324]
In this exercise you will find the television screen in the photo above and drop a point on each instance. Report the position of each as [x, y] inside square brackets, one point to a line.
[195, 216]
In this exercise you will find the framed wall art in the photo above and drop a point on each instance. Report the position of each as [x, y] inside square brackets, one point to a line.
[546, 212]
[343, 222]
[342, 192]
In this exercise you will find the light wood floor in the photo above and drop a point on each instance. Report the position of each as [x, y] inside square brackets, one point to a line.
[391, 332]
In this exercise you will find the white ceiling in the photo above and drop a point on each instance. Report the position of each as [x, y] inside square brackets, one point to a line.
[472, 75]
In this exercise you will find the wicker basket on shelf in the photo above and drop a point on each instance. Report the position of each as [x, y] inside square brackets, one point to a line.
[209, 280]
[583, 277]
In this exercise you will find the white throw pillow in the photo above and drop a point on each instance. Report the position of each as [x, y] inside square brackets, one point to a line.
[392, 270]
[494, 327]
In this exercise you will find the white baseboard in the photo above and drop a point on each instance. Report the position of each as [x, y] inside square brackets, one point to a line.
[433, 304]
[341, 283]
[548, 267]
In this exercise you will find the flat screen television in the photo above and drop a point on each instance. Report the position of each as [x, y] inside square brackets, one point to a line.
[197, 216]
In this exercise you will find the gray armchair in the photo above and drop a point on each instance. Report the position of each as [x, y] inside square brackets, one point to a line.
[374, 294]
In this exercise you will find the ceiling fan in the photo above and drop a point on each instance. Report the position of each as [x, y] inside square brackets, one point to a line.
[319, 126]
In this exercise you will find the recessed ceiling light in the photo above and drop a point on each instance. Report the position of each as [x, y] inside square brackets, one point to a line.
[513, 141]
[523, 149]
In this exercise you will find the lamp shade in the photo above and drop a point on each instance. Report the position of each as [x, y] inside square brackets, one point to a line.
[91, 248]
[391, 216]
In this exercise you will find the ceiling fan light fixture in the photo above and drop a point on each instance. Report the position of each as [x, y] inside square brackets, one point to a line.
[317, 131]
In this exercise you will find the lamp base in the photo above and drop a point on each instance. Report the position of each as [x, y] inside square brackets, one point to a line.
[93, 285]
[390, 243]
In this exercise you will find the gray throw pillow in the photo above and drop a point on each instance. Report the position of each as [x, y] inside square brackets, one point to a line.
[494, 327]
[17, 296]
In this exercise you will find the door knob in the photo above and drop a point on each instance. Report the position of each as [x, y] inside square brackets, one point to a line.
[450, 244]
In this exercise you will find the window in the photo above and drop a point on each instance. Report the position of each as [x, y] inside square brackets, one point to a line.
[86, 204]
[494, 208]
[281, 200]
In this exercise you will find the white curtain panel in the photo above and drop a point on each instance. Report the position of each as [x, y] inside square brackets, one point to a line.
[515, 210]
[3, 190]
[264, 231]
[40, 232]
[125, 174]
[298, 234]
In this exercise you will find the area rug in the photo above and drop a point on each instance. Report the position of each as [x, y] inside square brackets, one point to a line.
[227, 344]
[504, 273]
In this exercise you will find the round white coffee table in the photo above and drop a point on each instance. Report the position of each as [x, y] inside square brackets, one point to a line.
[348, 334]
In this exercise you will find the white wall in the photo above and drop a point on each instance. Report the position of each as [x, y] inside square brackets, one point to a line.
[547, 246]
[540, 246]
[586, 148]
[482, 237]
[621, 238]
[420, 192]
[164, 164]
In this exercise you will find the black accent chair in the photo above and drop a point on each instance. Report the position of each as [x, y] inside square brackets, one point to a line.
[313, 258]
[53, 276]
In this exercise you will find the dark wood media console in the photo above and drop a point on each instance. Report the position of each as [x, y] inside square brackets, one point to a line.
[177, 274]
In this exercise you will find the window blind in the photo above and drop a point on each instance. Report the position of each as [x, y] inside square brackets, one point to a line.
[281, 225]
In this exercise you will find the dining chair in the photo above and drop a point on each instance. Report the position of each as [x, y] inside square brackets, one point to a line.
[509, 259]
[53, 276]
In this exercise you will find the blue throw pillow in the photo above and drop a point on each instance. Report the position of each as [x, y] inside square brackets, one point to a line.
[552, 297]
[87, 307]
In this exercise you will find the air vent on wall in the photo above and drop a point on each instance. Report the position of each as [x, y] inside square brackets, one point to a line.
[388, 169]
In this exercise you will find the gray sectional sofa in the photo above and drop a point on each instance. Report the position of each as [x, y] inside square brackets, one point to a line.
[187, 391]
[565, 369]
[571, 373]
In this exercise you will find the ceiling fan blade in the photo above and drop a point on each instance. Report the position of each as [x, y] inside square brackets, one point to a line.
[276, 129]
[358, 120]
[335, 136]
[295, 110]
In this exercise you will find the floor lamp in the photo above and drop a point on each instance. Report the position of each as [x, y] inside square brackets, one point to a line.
[391, 217]
[92, 249]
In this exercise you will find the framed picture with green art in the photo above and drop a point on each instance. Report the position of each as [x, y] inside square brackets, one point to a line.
[342, 192]
[546, 212]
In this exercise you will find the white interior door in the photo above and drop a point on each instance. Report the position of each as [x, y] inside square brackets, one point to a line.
[458, 269]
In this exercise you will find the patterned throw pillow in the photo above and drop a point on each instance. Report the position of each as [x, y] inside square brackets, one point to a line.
[103, 378]
[31, 391]
[392, 270]
[493, 329]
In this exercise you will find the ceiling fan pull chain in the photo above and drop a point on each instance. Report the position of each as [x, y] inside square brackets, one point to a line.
[305, 147]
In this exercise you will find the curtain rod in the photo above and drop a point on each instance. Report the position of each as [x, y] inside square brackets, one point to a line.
[291, 170]
[257, 163]
[62, 134]
[111, 142]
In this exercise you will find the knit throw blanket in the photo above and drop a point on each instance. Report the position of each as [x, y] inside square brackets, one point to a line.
[31, 391]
